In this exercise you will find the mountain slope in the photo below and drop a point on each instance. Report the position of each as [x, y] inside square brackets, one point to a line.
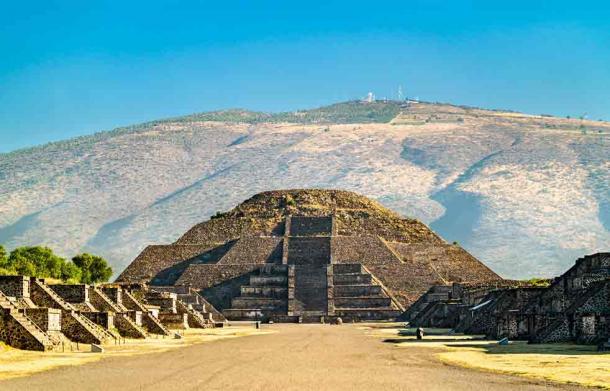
[525, 194]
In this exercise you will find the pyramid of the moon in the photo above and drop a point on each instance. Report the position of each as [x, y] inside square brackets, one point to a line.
[308, 253]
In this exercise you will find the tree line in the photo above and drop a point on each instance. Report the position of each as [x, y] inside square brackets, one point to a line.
[37, 261]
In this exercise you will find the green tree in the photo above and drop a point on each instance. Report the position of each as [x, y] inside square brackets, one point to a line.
[93, 268]
[70, 272]
[3, 257]
[4, 266]
[36, 261]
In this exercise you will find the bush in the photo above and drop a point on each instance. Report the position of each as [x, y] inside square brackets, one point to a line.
[70, 272]
[93, 268]
[42, 262]
[217, 215]
[3, 258]
[538, 282]
[35, 261]
[290, 201]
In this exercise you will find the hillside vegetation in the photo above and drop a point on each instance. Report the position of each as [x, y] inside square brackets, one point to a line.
[527, 194]
[345, 112]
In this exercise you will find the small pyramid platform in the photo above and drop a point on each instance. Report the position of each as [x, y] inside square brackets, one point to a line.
[308, 255]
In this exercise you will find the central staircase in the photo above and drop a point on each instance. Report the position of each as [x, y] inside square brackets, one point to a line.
[310, 258]
[308, 286]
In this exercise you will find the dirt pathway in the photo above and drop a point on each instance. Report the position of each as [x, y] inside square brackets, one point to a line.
[297, 357]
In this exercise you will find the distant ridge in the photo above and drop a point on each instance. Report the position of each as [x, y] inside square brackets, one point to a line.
[355, 111]
[523, 193]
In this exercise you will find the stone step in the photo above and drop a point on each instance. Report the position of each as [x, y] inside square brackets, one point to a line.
[362, 302]
[259, 303]
[347, 268]
[312, 317]
[357, 290]
[153, 325]
[188, 298]
[251, 313]
[352, 279]
[273, 269]
[263, 291]
[358, 314]
[98, 331]
[32, 328]
[268, 280]
[314, 283]
[63, 304]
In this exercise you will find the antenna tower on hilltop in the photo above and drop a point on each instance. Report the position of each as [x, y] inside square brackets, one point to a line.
[400, 92]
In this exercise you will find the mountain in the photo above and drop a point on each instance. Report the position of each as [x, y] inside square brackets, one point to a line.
[526, 194]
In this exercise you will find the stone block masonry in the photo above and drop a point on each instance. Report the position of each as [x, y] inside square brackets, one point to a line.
[311, 226]
[575, 307]
[40, 316]
[48, 319]
[17, 330]
[15, 286]
[311, 232]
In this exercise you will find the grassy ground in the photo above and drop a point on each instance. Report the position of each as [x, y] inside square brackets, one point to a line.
[17, 363]
[564, 363]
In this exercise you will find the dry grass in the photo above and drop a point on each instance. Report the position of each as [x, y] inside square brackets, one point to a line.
[560, 363]
[18, 363]
[563, 363]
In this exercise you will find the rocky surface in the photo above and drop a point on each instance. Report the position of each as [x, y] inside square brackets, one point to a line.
[525, 194]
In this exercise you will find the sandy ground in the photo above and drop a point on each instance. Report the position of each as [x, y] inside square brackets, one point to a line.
[295, 357]
[19, 363]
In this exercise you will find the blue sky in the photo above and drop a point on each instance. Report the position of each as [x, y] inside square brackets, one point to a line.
[69, 68]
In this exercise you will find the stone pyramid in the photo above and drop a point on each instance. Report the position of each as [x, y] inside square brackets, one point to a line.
[304, 255]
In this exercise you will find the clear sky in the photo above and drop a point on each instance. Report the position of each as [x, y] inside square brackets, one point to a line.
[69, 68]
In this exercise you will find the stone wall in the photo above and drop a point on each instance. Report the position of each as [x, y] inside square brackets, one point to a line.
[101, 302]
[113, 293]
[220, 230]
[575, 307]
[77, 330]
[43, 296]
[362, 249]
[218, 284]
[155, 259]
[153, 324]
[16, 335]
[103, 319]
[174, 321]
[48, 319]
[252, 249]
[15, 286]
[165, 300]
[72, 293]
[309, 250]
[207, 276]
[450, 263]
[128, 328]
